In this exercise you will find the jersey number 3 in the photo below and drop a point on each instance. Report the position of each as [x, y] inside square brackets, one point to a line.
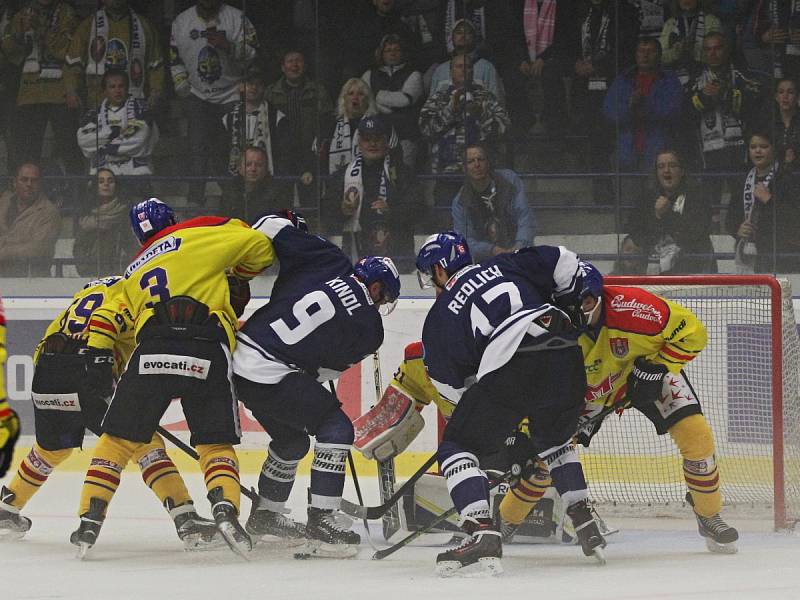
[156, 281]
[311, 311]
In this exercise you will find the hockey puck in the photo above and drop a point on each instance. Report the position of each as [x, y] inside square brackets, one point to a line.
[301, 556]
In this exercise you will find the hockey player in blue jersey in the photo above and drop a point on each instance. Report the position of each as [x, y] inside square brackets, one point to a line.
[322, 317]
[497, 341]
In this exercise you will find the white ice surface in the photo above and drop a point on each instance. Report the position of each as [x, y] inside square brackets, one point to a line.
[138, 556]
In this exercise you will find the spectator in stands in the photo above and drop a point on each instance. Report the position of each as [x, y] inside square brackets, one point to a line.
[606, 39]
[114, 37]
[544, 38]
[255, 122]
[464, 40]
[120, 134]
[309, 119]
[644, 103]
[491, 209]
[786, 123]
[725, 102]
[8, 80]
[366, 30]
[29, 226]
[426, 22]
[631, 259]
[355, 101]
[682, 37]
[765, 219]
[210, 48]
[256, 192]
[455, 117]
[776, 26]
[375, 199]
[672, 225]
[103, 242]
[398, 90]
[37, 41]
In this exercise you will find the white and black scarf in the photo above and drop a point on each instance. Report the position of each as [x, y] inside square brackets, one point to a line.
[249, 132]
[597, 46]
[39, 59]
[354, 188]
[746, 251]
[98, 40]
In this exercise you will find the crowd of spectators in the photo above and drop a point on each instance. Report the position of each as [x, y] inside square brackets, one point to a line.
[338, 108]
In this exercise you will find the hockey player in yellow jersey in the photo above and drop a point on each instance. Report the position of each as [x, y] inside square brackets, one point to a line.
[635, 346]
[63, 410]
[9, 421]
[175, 295]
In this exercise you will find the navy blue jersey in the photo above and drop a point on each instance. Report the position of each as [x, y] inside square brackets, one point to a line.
[485, 310]
[320, 319]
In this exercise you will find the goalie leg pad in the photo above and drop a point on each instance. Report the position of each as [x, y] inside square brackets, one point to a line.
[467, 484]
[389, 427]
[695, 440]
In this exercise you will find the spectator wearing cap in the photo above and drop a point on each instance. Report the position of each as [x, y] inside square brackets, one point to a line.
[491, 209]
[257, 123]
[464, 40]
[29, 226]
[455, 117]
[398, 90]
[374, 201]
[355, 101]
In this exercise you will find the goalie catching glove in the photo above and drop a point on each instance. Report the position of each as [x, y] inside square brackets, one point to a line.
[645, 382]
[9, 434]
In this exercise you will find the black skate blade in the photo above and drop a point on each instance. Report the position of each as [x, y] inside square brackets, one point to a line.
[83, 550]
[319, 549]
[599, 555]
[229, 535]
[488, 566]
[717, 548]
[11, 535]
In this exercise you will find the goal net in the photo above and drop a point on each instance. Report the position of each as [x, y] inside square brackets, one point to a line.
[747, 382]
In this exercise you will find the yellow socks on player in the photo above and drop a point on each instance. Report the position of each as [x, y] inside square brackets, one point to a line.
[221, 469]
[102, 479]
[159, 472]
[33, 472]
[695, 440]
[522, 498]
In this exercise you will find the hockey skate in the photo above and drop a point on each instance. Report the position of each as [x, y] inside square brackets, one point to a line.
[264, 522]
[587, 531]
[482, 547]
[720, 537]
[327, 538]
[197, 533]
[13, 525]
[506, 529]
[225, 516]
[91, 521]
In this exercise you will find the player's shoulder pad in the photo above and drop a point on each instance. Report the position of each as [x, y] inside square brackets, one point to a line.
[414, 351]
[635, 310]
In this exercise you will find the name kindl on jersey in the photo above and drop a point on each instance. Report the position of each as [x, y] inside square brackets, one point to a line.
[648, 312]
[346, 295]
[471, 285]
[169, 244]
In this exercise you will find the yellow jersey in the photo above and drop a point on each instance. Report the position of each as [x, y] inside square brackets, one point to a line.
[74, 320]
[636, 323]
[187, 259]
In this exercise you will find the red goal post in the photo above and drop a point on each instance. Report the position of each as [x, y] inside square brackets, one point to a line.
[747, 382]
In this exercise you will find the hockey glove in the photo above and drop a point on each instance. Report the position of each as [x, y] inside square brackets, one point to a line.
[587, 432]
[99, 373]
[9, 434]
[240, 294]
[645, 382]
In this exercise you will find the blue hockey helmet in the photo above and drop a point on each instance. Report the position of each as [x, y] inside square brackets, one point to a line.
[448, 249]
[592, 286]
[149, 217]
[380, 268]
